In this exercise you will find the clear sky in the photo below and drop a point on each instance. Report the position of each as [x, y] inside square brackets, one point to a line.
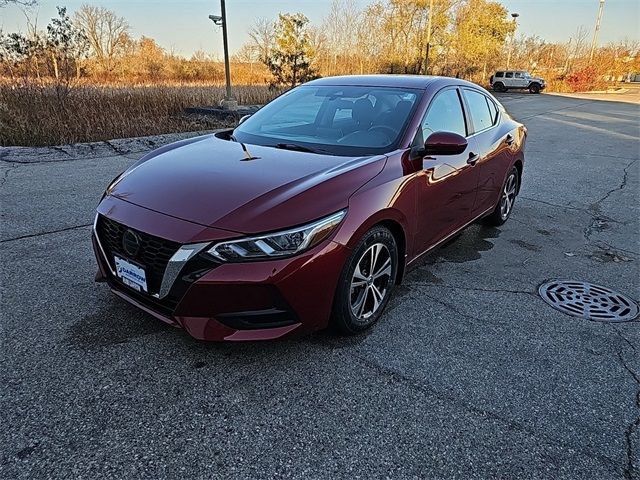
[183, 26]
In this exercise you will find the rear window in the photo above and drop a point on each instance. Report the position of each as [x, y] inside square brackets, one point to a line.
[499, 74]
[481, 116]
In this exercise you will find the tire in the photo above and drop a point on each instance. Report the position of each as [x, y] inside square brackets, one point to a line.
[499, 87]
[503, 209]
[534, 88]
[354, 306]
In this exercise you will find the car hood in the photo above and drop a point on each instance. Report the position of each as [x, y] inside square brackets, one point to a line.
[209, 181]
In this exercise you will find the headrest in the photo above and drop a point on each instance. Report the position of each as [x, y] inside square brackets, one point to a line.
[362, 111]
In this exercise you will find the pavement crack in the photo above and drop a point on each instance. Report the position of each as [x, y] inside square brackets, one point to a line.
[114, 148]
[598, 220]
[630, 470]
[603, 155]
[553, 204]
[472, 289]
[625, 339]
[553, 111]
[623, 184]
[61, 150]
[5, 175]
[40, 234]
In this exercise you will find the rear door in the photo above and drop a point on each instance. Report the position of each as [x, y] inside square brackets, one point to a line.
[492, 141]
[447, 184]
[509, 80]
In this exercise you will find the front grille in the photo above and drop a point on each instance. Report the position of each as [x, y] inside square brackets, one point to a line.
[153, 255]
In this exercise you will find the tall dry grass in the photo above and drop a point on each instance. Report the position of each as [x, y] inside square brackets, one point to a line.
[38, 115]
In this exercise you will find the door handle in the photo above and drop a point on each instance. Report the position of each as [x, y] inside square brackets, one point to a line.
[473, 158]
[509, 140]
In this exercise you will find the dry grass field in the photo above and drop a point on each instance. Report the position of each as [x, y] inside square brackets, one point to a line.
[37, 115]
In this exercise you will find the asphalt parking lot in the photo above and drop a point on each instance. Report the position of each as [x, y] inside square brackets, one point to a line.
[468, 375]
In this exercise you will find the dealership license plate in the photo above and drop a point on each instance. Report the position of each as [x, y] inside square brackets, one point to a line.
[131, 275]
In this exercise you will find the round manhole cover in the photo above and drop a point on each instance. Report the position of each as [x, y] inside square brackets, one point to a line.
[586, 300]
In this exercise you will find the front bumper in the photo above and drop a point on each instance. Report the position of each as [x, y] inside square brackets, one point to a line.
[233, 301]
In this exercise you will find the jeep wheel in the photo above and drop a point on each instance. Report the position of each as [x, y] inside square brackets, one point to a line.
[499, 87]
[534, 88]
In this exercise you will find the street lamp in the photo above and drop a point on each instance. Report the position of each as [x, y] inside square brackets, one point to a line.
[426, 57]
[594, 42]
[513, 37]
[229, 103]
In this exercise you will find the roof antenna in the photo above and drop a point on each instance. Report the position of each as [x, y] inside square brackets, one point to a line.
[247, 154]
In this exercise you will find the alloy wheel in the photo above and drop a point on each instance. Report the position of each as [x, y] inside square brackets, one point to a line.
[370, 281]
[508, 196]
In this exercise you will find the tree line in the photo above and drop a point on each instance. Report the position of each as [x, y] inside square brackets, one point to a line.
[464, 38]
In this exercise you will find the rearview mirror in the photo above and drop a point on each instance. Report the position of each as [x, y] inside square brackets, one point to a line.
[445, 143]
[243, 119]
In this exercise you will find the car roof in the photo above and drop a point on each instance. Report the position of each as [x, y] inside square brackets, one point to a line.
[406, 81]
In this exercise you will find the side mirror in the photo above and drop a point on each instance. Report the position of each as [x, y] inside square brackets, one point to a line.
[445, 143]
[243, 119]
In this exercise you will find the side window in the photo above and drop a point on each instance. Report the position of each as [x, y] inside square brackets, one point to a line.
[509, 75]
[479, 109]
[499, 74]
[444, 115]
[493, 110]
[518, 74]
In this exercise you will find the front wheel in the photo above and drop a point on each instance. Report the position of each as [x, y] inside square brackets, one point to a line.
[499, 87]
[534, 88]
[366, 282]
[507, 198]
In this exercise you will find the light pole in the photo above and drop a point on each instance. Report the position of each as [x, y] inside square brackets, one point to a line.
[594, 42]
[426, 58]
[513, 37]
[229, 103]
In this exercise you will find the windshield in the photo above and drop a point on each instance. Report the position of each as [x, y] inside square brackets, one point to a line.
[340, 120]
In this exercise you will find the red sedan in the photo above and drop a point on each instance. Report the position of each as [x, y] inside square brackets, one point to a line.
[311, 210]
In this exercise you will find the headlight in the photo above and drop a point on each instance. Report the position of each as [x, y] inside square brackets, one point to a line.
[278, 244]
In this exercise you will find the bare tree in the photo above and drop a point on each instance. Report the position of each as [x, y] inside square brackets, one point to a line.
[22, 3]
[108, 34]
[338, 27]
[262, 38]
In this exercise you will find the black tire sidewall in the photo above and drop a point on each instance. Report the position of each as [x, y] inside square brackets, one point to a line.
[495, 218]
[342, 317]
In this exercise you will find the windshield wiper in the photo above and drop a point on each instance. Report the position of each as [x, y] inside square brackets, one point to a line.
[297, 148]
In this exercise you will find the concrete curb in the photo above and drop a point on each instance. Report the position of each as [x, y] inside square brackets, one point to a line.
[83, 151]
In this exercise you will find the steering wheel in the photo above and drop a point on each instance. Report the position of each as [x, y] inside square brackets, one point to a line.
[388, 131]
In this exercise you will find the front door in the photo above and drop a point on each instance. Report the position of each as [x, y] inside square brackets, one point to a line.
[447, 184]
[520, 80]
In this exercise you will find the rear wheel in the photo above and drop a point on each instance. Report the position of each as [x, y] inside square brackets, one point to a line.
[366, 282]
[499, 87]
[534, 88]
[507, 198]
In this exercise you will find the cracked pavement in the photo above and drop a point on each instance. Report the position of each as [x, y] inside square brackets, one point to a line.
[468, 375]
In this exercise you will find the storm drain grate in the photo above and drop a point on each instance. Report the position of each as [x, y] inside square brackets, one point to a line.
[586, 300]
